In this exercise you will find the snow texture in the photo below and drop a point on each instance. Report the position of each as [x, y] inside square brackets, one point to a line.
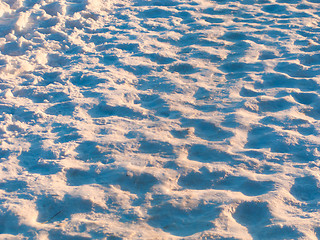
[159, 119]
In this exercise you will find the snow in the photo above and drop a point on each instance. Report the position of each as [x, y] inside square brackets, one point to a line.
[171, 119]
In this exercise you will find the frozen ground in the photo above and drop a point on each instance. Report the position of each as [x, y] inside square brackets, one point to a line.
[159, 119]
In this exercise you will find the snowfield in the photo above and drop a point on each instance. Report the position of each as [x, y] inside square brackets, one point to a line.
[159, 119]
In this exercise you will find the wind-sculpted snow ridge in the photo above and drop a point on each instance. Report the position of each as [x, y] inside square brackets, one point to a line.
[159, 119]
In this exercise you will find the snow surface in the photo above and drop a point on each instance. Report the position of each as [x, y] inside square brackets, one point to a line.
[159, 119]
